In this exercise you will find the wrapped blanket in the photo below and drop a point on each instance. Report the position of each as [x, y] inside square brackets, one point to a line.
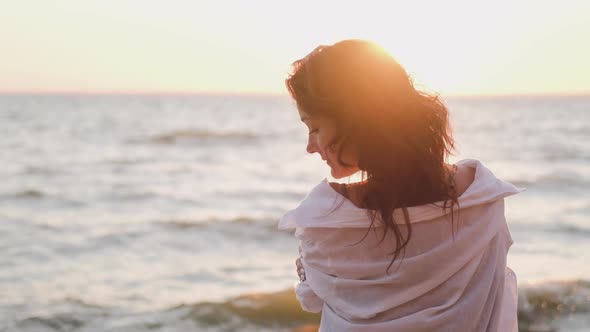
[452, 276]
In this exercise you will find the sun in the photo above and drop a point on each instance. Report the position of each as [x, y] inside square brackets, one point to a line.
[438, 70]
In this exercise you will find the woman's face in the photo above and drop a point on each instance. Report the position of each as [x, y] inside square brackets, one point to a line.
[321, 132]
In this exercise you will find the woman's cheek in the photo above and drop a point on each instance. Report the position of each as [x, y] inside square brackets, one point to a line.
[322, 143]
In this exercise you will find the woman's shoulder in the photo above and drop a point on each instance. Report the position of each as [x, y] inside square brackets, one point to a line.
[326, 206]
[462, 176]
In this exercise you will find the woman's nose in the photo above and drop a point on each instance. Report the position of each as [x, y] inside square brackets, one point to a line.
[312, 146]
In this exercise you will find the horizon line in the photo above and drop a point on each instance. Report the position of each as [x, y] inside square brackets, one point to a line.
[271, 94]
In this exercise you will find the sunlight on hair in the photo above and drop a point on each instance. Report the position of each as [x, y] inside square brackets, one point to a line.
[380, 50]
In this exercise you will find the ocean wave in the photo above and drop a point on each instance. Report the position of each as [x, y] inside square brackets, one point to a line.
[545, 306]
[239, 227]
[212, 222]
[570, 229]
[279, 310]
[126, 160]
[550, 306]
[562, 154]
[40, 170]
[580, 208]
[27, 193]
[561, 178]
[55, 323]
[37, 196]
[69, 314]
[198, 135]
[542, 307]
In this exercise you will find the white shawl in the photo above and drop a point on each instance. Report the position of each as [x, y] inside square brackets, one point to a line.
[452, 276]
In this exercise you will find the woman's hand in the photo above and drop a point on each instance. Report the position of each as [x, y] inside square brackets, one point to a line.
[300, 270]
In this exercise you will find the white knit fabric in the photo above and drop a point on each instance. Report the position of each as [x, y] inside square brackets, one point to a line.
[452, 276]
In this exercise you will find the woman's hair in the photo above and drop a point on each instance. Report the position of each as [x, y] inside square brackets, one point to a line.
[401, 135]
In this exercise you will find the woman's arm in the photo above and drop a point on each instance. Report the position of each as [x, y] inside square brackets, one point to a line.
[307, 298]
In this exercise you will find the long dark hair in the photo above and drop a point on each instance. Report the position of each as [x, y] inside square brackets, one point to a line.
[401, 135]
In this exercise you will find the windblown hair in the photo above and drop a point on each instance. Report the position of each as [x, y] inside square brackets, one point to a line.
[401, 135]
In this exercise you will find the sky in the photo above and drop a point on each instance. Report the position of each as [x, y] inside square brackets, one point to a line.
[137, 46]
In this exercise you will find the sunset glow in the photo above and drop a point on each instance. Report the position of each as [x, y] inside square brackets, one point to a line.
[455, 47]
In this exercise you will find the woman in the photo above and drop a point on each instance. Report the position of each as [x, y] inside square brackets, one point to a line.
[416, 245]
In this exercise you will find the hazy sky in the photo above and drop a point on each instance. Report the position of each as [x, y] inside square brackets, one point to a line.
[453, 47]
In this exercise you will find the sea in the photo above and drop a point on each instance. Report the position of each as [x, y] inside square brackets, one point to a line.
[159, 213]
